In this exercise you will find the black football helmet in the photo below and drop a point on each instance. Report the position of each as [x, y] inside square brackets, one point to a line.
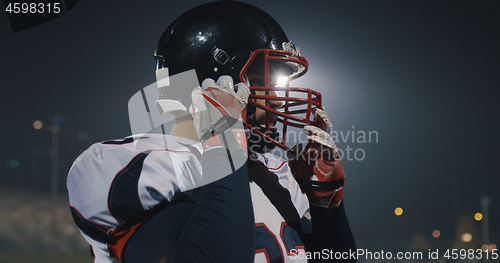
[228, 38]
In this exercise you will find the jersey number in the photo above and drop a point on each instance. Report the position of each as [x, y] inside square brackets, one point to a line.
[268, 244]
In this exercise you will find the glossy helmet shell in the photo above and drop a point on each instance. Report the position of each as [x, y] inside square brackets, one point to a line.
[225, 38]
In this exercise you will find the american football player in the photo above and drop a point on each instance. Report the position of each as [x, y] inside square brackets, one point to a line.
[133, 206]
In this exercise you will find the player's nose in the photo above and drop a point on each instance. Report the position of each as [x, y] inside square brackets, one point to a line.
[275, 103]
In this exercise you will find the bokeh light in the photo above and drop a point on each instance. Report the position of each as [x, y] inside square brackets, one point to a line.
[478, 216]
[37, 125]
[484, 247]
[489, 248]
[398, 211]
[54, 128]
[15, 163]
[436, 233]
[466, 237]
[82, 136]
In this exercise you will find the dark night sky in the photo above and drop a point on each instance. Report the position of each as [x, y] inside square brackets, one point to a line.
[423, 74]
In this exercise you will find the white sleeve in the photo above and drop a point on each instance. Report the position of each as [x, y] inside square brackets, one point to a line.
[164, 173]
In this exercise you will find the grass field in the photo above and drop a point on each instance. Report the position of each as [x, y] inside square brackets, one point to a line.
[42, 258]
[25, 224]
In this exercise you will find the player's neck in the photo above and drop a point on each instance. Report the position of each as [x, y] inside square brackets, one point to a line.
[184, 127]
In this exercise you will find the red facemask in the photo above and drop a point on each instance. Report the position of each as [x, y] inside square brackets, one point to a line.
[297, 103]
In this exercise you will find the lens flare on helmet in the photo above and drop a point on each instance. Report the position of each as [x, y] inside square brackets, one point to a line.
[298, 103]
[282, 81]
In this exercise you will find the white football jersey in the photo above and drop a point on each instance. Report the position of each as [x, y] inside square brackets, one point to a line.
[113, 181]
[275, 240]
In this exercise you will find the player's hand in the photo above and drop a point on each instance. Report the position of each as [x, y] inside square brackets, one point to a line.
[219, 105]
[318, 169]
